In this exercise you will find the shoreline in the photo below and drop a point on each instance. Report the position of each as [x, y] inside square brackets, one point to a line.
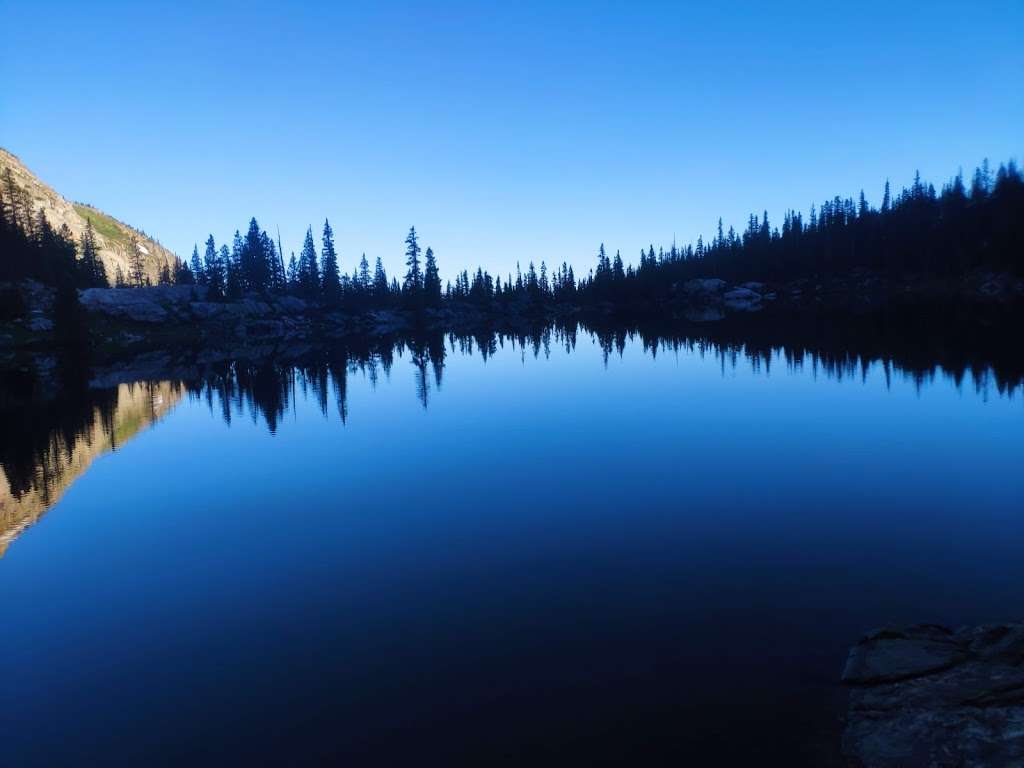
[122, 319]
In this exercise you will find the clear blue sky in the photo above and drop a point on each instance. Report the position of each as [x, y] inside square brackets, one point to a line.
[501, 130]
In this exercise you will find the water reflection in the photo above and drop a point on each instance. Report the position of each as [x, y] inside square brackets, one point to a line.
[46, 448]
[58, 420]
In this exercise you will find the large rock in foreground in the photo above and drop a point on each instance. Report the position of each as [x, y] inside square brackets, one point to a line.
[927, 696]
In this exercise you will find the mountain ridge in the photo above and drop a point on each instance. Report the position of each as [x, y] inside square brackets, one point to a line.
[113, 236]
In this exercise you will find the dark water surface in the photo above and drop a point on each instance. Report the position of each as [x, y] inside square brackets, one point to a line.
[422, 556]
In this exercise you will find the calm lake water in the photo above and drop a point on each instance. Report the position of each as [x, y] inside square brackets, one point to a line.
[429, 555]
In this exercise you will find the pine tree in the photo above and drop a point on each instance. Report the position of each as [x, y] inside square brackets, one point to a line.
[197, 265]
[364, 275]
[255, 260]
[182, 274]
[380, 281]
[268, 253]
[618, 273]
[309, 272]
[213, 268]
[431, 281]
[92, 271]
[136, 272]
[234, 287]
[412, 286]
[329, 282]
[293, 274]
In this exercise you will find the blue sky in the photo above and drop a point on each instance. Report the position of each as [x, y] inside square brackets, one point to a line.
[502, 131]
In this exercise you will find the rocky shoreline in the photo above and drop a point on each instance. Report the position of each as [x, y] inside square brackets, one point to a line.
[158, 315]
[929, 697]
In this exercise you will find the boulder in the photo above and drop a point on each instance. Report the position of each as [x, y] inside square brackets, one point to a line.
[140, 305]
[888, 655]
[290, 304]
[742, 300]
[204, 310]
[927, 696]
[175, 294]
[255, 306]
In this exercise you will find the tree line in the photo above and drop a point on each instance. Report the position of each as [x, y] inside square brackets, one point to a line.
[917, 233]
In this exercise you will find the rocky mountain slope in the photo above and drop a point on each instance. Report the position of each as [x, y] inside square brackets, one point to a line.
[112, 236]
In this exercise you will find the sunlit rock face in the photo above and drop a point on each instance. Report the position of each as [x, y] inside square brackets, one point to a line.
[113, 237]
[26, 495]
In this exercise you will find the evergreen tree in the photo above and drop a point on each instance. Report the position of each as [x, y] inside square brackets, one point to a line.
[380, 281]
[330, 282]
[309, 272]
[182, 274]
[255, 260]
[274, 276]
[93, 273]
[293, 274]
[234, 286]
[618, 273]
[364, 275]
[213, 268]
[136, 272]
[412, 286]
[197, 265]
[431, 281]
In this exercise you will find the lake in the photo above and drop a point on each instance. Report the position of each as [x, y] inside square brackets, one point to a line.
[575, 546]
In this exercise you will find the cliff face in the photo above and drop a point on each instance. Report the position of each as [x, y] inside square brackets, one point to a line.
[113, 237]
[137, 406]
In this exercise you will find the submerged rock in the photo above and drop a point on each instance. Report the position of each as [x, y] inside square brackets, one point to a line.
[928, 697]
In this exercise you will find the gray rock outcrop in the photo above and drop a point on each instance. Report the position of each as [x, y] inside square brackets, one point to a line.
[183, 304]
[929, 697]
[742, 300]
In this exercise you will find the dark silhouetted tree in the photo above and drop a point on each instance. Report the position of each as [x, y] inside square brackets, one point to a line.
[330, 281]
[431, 281]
